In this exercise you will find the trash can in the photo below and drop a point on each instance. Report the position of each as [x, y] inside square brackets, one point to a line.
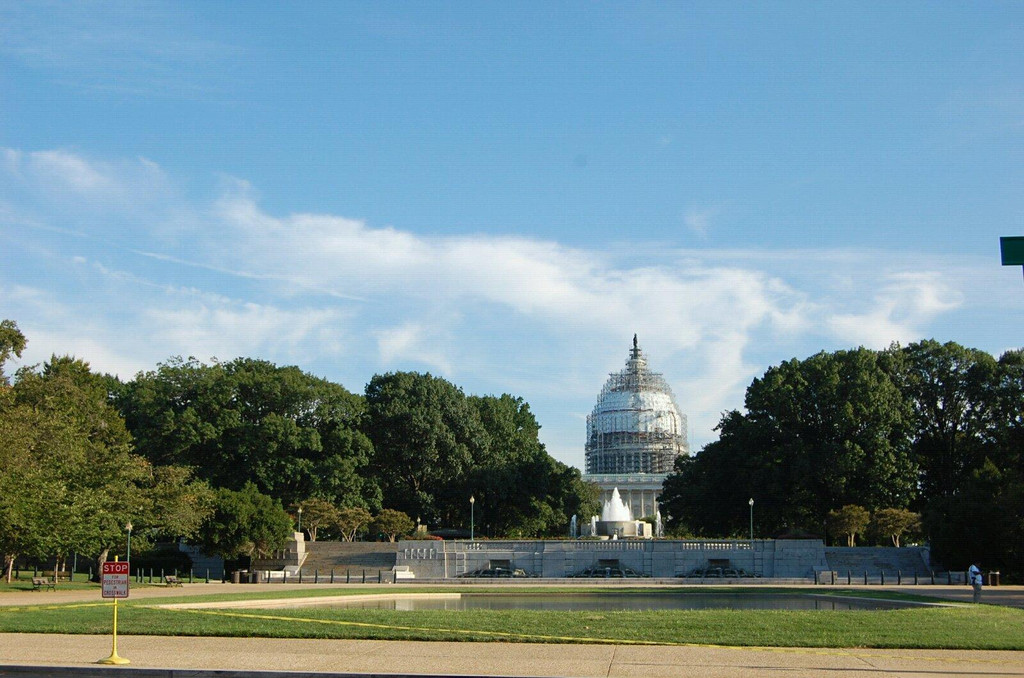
[236, 576]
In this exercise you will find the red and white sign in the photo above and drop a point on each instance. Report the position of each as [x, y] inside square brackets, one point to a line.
[114, 580]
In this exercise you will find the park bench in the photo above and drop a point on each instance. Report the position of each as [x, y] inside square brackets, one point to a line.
[39, 583]
[172, 580]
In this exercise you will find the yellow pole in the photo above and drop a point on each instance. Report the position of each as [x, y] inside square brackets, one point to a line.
[113, 658]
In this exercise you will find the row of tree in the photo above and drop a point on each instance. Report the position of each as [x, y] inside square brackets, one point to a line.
[213, 452]
[934, 428]
[889, 523]
[414, 443]
[249, 523]
[347, 523]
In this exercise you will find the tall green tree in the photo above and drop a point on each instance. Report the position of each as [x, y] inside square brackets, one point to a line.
[894, 522]
[179, 503]
[974, 509]
[393, 524]
[1009, 410]
[99, 482]
[70, 479]
[351, 520]
[520, 490]
[12, 342]
[931, 427]
[23, 488]
[245, 523]
[426, 437]
[29, 493]
[850, 520]
[292, 435]
[818, 434]
[952, 393]
[317, 514]
[436, 448]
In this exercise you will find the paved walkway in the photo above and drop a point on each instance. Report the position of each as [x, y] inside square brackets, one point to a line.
[491, 659]
[498, 659]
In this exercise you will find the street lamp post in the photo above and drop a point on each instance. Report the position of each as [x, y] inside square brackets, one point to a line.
[472, 502]
[300, 519]
[751, 502]
[128, 526]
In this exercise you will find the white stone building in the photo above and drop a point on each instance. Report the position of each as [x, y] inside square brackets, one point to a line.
[634, 435]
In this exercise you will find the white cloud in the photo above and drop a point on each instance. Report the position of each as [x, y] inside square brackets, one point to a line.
[70, 170]
[347, 299]
[103, 352]
[161, 321]
[901, 309]
[226, 329]
[539, 279]
[55, 328]
[12, 160]
[113, 47]
[63, 177]
[411, 343]
[699, 220]
[705, 393]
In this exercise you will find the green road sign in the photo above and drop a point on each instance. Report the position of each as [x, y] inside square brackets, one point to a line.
[1012, 248]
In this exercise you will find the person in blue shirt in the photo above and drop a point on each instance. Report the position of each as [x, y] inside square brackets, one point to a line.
[974, 578]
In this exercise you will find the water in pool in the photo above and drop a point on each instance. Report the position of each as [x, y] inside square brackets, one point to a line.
[612, 602]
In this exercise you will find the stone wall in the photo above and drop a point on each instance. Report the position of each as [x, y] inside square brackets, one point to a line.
[202, 563]
[290, 558]
[657, 558]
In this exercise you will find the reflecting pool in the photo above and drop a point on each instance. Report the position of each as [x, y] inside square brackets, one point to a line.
[630, 601]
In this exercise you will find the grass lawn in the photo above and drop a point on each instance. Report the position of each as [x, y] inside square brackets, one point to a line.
[957, 627]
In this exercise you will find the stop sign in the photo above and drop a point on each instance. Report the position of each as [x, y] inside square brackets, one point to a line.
[114, 580]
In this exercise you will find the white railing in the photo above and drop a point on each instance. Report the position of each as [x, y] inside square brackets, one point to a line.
[609, 545]
[716, 545]
[419, 554]
[504, 545]
[537, 546]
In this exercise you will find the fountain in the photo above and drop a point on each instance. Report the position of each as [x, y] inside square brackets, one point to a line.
[616, 519]
[615, 510]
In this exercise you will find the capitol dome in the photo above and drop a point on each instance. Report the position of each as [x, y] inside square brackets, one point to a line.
[636, 426]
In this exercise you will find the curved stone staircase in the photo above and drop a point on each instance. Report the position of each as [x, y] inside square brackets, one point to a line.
[876, 560]
[354, 557]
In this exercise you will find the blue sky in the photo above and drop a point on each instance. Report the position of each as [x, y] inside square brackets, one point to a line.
[503, 193]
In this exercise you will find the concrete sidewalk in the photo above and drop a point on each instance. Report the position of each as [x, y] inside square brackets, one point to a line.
[488, 659]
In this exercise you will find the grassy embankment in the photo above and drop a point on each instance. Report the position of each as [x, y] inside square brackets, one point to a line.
[959, 627]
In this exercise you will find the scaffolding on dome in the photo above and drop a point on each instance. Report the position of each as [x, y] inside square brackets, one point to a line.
[636, 426]
[633, 452]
